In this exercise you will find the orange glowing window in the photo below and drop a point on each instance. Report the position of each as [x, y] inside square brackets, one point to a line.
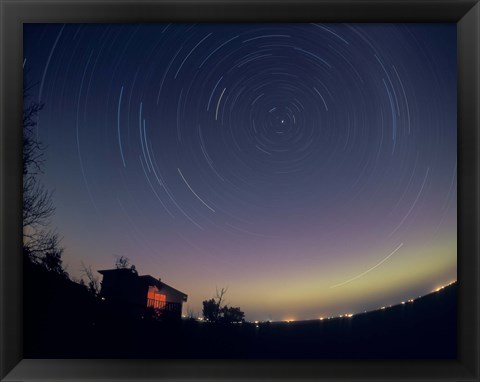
[155, 299]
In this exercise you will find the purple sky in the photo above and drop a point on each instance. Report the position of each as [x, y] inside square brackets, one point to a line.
[309, 168]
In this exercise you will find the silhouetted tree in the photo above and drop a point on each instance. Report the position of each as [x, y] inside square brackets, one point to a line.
[210, 310]
[231, 314]
[33, 149]
[37, 205]
[93, 285]
[52, 261]
[40, 243]
[215, 309]
[122, 262]
[37, 244]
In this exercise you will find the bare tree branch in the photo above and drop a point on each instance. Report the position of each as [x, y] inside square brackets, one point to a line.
[40, 243]
[121, 262]
[219, 296]
[93, 283]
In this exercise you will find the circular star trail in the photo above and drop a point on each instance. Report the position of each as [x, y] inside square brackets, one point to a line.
[309, 167]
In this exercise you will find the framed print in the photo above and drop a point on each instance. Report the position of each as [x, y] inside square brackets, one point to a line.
[230, 190]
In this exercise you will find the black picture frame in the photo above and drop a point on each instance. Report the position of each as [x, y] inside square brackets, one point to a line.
[466, 13]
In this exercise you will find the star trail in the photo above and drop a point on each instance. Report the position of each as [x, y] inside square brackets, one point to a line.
[311, 168]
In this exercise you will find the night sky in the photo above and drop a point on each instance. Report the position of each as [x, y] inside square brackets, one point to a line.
[309, 168]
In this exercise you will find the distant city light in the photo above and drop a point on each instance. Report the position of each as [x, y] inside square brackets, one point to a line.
[444, 286]
[349, 315]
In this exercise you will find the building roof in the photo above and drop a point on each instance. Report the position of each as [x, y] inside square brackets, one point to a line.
[147, 279]
[116, 270]
[161, 285]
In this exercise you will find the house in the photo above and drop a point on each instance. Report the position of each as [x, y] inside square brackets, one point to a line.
[125, 289]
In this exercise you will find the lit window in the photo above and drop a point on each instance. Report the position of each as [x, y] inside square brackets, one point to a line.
[155, 299]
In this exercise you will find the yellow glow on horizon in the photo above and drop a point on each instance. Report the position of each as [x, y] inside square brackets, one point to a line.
[402, 272]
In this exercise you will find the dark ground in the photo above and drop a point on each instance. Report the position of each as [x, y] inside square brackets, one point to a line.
[63, 320]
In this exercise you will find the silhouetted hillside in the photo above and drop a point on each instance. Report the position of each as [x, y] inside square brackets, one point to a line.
[425, 328]
[63, 320]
